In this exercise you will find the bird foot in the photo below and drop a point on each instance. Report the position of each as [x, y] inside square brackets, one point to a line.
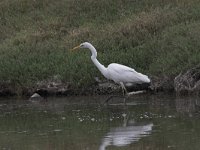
[135, 92]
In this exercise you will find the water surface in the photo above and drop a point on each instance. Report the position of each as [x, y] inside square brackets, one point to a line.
[147, 122]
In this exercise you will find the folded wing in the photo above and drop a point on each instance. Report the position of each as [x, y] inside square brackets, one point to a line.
[120, 73]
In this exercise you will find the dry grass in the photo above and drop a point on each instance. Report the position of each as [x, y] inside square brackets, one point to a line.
[155, 37]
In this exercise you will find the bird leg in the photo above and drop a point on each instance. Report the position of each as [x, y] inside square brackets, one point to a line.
[123, 89]
[129, 93]
[125, 93]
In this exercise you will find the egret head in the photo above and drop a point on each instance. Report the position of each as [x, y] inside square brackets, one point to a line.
[89, 46]
[83, 45]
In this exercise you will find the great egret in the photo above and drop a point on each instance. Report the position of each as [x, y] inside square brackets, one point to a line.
[120, 74]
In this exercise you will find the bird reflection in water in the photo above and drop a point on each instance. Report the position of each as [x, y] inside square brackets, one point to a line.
[129, 133]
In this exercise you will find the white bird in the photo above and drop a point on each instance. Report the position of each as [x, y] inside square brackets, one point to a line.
[120, 74]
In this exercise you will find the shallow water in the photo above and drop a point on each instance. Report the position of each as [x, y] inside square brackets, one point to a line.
[147, 122]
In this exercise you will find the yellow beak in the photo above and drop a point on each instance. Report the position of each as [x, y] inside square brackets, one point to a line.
[75, 48]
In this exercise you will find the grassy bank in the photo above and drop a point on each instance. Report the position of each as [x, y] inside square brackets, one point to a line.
[156, 37]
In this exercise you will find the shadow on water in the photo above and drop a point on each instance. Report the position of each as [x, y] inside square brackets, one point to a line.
[158, 122]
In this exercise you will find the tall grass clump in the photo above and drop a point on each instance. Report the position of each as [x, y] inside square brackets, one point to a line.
[156, 37]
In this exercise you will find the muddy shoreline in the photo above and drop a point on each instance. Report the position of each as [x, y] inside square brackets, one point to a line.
[58, 88]
[185, 83]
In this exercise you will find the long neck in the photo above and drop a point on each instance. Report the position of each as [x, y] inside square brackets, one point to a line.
[101, 67]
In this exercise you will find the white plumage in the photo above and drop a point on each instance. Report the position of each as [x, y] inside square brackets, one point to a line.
[120, 74]
[125, 135]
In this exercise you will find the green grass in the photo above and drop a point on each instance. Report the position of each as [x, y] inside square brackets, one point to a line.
[156, 37]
